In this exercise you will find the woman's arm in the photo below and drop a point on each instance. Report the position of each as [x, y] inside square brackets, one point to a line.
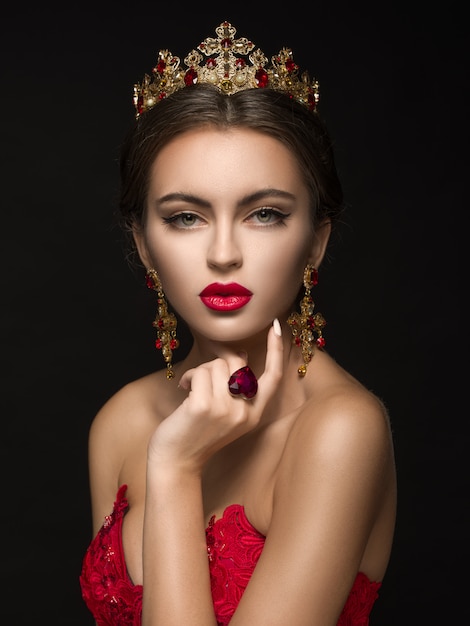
[176, 575]
[176, 570]
[336, 471]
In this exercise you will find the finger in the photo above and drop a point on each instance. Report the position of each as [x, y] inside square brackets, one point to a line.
[218, 369]
[274, 364]
[185, 380]
[227, 362]
[199, 381]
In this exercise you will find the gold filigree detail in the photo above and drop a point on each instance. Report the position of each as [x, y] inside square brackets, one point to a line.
[232, 65]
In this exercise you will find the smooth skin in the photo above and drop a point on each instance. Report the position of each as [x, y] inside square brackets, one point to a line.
[310, 459]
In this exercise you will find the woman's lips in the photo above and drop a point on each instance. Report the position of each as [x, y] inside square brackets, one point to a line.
[230, 297]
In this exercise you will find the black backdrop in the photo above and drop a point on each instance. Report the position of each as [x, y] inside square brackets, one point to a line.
[76, 321]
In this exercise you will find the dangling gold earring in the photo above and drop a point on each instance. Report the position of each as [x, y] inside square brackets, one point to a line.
[165, 323]
[305, 325]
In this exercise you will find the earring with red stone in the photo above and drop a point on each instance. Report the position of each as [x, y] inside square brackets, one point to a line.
[306, 324]
[165, 323]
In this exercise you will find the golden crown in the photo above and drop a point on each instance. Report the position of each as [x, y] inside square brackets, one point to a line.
[232, 65]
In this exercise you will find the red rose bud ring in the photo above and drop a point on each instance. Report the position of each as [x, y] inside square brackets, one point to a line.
[243, 383]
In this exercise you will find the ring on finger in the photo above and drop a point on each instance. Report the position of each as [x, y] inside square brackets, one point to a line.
[243, 383]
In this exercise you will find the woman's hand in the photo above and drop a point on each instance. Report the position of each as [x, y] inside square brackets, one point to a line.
[210, 417]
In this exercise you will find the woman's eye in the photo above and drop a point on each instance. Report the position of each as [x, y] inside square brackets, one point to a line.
[268, 216]
[182, 220]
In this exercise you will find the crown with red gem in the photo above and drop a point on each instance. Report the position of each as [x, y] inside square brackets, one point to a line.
[232, 65]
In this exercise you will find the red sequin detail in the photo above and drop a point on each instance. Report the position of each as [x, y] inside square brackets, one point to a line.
[233, 547]
[106, 587]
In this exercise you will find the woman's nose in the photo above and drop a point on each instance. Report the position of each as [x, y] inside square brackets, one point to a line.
[224, 249]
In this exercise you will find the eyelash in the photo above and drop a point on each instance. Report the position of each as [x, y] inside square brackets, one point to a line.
[280, 218]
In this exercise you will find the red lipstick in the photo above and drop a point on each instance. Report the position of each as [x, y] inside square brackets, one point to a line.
[229, 297]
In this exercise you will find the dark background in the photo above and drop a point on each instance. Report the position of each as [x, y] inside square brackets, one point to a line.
[76, 320]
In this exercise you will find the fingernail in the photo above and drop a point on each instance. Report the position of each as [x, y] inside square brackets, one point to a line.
[277, 328]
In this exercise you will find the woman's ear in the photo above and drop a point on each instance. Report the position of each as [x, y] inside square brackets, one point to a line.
[320, 243]
[141, 245]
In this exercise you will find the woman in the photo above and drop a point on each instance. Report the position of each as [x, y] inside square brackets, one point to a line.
[252, 482]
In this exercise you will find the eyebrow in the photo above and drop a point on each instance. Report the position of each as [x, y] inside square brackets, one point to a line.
[182, 197]
[270, 192]
[261, 194]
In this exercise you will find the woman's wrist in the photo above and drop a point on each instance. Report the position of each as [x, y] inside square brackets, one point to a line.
[172, 476]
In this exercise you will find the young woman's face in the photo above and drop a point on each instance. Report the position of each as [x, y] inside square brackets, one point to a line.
[229, 230]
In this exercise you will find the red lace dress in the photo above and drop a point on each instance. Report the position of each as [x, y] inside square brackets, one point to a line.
[234, 548]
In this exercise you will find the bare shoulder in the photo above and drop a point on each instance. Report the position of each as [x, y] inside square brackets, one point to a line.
[134, 404]
[343, 434]
[345, 416]
[118, 433]
[340, 407]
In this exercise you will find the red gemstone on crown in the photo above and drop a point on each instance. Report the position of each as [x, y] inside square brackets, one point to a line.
[261, 77]
[160, 68]
[312, 103]
[243, 383]
[290, 66]
[190, 78]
